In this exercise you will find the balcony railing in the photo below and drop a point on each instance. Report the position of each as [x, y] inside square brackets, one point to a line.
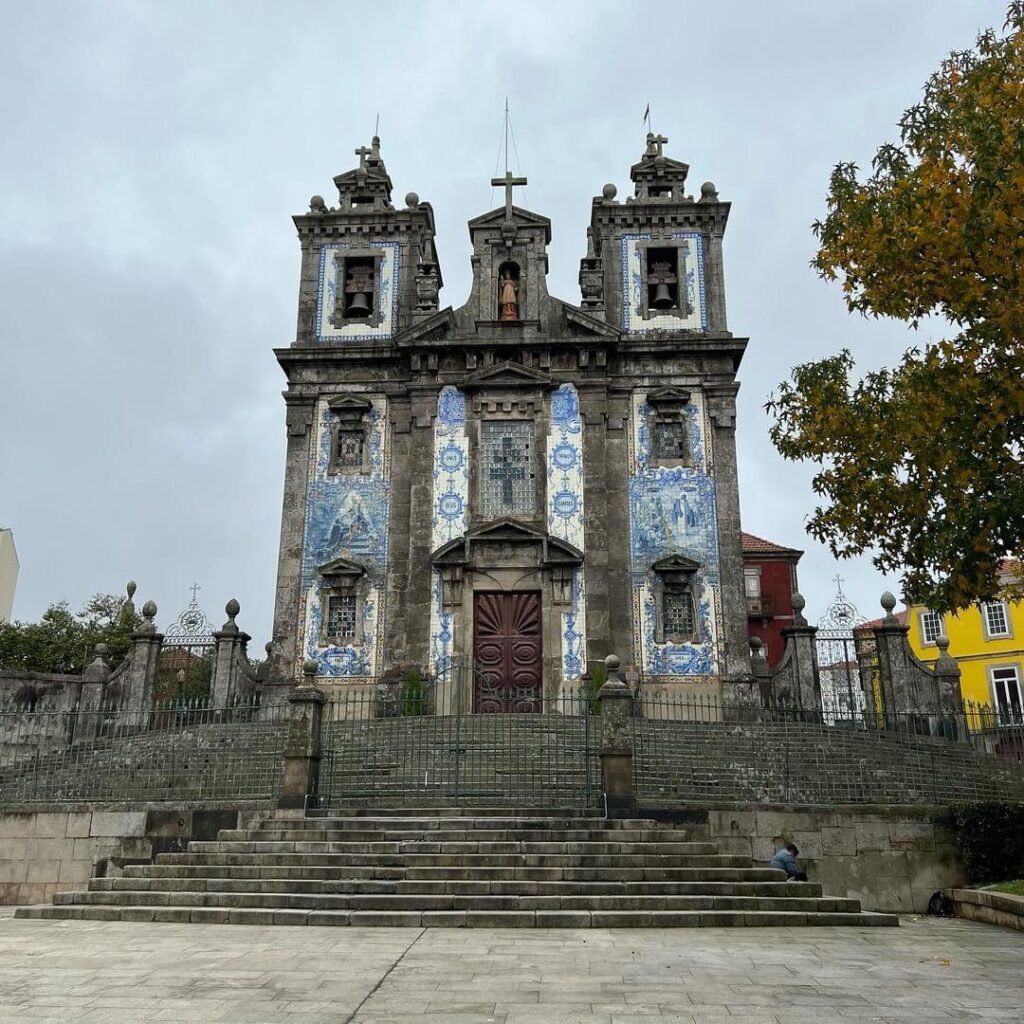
[761, 606]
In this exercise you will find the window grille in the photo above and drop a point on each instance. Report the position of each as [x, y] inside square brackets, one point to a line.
[669, 440]
[931, 627]
[678, 611]
[506, 468]
[997, 622]
[348, 451]
[341, 618]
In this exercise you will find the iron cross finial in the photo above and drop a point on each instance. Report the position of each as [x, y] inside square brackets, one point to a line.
[838, 581]
[509, 182]
[363, 152]
[195, 588]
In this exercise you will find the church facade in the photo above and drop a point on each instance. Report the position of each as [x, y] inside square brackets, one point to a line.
[523, 481]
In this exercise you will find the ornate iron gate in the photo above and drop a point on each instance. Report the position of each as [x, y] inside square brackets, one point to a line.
[421, 743]
[185, 668]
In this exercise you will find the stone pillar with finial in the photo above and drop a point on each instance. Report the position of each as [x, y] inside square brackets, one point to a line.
[895, 683]
[301, 771]
[947, 680]
[760, 671]
[94, 680]
[141, 675]
[230, 650]
[803, 658]
[616, 742]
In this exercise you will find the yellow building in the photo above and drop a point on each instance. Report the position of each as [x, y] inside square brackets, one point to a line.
[987, 642]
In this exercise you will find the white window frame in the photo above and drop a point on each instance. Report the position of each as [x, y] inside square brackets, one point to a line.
[990, 634]
[1002, 708]
[921, 618]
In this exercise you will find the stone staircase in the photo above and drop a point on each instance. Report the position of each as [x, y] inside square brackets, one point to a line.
[479, 867]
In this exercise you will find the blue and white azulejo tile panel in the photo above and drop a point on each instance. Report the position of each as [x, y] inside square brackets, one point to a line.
[564, 472]
[691, 271]
[347, 517]
[451, 468]
[673, 511]
[386, 313]
[442, 628]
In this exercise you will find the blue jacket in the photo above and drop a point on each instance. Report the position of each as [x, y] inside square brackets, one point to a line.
[786, 861]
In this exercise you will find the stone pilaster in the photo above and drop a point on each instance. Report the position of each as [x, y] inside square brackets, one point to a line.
[894, 667]
[288, 614]
[803, 659]
[733, 628]
[947, 679]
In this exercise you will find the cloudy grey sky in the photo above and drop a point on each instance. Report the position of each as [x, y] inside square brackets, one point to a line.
[154, 152]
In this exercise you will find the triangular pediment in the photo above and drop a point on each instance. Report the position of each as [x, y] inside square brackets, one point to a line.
[584, 323]
[668, 395]
[342, 567]
[676, 564]
[507, 374]
[437, 325]
[495, 218]
[554, 552]
[349, 403]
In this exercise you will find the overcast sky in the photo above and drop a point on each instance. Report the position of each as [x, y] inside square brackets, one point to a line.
[153, 154]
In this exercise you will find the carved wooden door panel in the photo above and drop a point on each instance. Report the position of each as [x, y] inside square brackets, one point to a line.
[507, 650]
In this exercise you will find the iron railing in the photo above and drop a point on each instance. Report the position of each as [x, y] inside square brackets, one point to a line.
[395, 745]
[693, 747]
[174, 750]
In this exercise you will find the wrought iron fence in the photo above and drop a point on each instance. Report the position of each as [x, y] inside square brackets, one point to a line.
[395, 744]
[177, 749]
[692, 747]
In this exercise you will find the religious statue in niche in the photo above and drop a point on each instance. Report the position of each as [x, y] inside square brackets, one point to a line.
[508, 304]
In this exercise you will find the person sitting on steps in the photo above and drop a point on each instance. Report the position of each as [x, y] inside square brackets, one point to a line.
[785, 860]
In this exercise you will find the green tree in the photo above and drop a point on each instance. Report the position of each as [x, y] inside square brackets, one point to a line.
[920, 464]
[63, 642]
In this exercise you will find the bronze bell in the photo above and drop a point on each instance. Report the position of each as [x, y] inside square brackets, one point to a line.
[360, 305]
[662, 297]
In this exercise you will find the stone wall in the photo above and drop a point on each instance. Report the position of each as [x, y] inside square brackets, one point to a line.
[891, 858]
[48, 850]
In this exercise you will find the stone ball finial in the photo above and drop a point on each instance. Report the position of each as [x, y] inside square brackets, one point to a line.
[798, 602]
[609, 192]
[317, 204]
[708, 190]
[101, 650]
[269, 647]
[412, 200]
[130, 589]
[888, 601]
[149, 610]
[232, 608]
[309, 667]
[942, 642]
[612, 663]
[756, 643]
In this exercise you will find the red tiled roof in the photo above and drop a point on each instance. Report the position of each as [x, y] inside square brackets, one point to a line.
[901, 618]
[753, 545]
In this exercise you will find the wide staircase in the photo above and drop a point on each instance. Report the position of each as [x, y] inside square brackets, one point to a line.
[458, 867]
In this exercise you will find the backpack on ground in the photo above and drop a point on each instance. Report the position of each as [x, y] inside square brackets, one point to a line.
[940, 905]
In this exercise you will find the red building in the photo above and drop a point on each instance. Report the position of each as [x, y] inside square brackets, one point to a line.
[769, 577]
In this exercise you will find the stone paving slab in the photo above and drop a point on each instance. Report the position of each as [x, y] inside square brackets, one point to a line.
[119, 973]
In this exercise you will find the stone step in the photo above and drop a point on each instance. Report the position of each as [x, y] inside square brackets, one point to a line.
[461, 918]
[469, 860]
[463, 848]
[441, 812]
[517, 836]
[462, 887]
[412, 822]
[418, 901]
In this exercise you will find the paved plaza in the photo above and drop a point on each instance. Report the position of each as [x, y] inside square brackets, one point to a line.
[116, 973]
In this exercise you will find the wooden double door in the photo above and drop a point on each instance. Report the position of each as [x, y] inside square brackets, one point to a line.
[507, 652]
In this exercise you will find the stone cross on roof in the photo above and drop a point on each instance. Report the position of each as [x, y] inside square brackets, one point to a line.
[509, 182]
[363, 152]
[654, 144]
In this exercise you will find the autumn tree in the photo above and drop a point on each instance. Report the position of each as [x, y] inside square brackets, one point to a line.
[920, 464]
